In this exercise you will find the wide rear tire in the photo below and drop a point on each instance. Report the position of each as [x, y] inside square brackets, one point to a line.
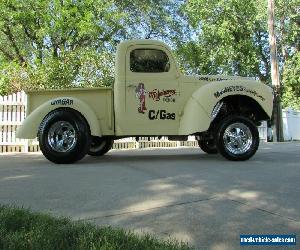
[64, 136]
[237, 138]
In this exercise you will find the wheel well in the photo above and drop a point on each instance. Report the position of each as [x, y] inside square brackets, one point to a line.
[242, 105]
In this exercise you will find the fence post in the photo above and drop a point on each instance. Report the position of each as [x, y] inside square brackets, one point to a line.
[137, 144]
[25, 145]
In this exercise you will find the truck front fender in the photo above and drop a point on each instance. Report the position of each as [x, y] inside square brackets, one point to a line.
[197, 114]
[210, 94]
[31, 124]
[194, 118]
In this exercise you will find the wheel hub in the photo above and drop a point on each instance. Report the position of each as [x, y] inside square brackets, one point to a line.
[237, 138]
[62, 136]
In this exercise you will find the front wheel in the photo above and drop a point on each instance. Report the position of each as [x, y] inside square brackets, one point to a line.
[237, 138]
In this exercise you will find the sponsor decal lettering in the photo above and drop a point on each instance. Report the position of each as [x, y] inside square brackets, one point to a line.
[156, 94]
[237, 89]
[161, 115]
[209, 79]
[63, 102]
[169, 99]
[228, 89]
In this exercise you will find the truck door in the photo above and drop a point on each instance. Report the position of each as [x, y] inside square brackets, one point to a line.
[152, 91]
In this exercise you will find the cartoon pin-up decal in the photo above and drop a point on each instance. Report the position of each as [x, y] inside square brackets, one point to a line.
[140, 93]
[166, 95]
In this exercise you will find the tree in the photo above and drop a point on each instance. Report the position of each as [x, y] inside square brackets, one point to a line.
[288, 28]
[288, 14]
[153, 19]
[291, 82]
[231, 37]
[35, 29]
[50, 41]
[67, 43]
[277, 111]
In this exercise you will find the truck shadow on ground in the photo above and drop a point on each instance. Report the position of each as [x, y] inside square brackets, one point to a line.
[169, 157]
[128, 156]
[112, 158]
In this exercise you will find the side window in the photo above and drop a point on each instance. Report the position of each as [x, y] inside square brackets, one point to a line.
[149, 61]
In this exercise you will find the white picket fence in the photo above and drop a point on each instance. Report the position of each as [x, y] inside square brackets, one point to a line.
[291, 124]
[13, 112]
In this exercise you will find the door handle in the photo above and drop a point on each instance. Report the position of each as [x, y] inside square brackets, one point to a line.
[131, 86]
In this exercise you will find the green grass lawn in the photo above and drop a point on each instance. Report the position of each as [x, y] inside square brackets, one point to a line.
[23, 229]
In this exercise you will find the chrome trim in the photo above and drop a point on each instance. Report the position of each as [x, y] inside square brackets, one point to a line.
[216, 110]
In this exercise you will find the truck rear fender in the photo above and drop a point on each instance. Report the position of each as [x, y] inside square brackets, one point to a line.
[30, 126]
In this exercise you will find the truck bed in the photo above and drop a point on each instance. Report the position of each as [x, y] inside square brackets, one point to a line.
[100, 100]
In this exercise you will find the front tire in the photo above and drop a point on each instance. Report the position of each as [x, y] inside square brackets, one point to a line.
[237, 138]
[100, 146]
[64, 136]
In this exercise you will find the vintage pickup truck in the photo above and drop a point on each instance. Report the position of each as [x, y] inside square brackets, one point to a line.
[150, 97]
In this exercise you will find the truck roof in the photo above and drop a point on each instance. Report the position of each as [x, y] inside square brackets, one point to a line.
[128, 43]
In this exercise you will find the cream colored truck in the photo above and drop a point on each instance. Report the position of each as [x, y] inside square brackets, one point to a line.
[150, 97]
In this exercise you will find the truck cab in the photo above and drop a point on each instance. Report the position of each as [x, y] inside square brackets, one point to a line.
[147, 89]
[150, 97]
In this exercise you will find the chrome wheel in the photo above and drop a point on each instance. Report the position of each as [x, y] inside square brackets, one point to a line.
[237, 138]
[62, 136]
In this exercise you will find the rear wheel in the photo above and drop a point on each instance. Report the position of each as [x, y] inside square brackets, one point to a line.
[237, 138]
[100, 146]
[208, 146]
[64, 136]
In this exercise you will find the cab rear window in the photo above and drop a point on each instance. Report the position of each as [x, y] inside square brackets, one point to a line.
[149, 61]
